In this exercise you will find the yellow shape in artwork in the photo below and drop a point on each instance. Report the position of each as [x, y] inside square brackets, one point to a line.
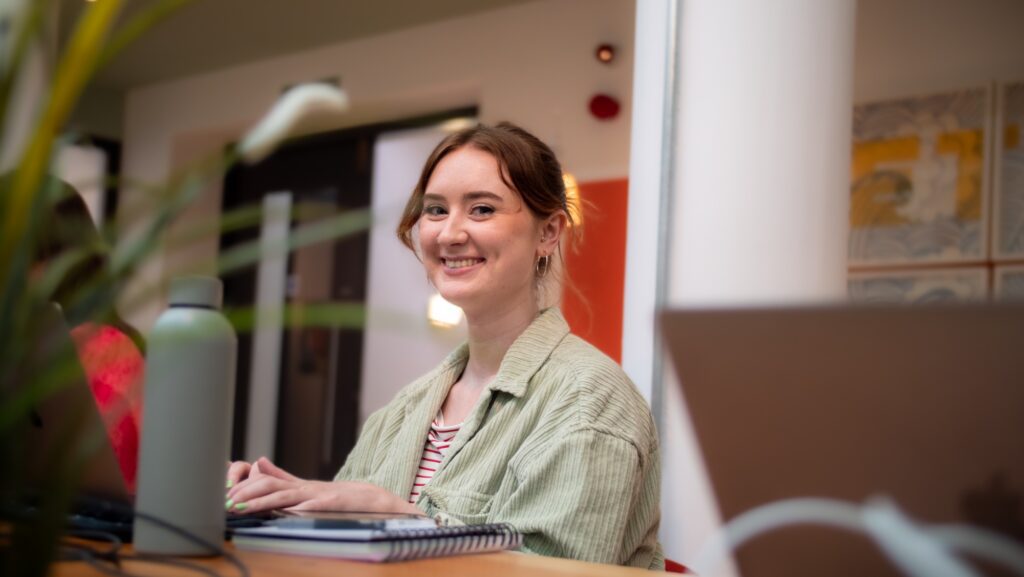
[883, 177]
[966, 146]
[881, 180]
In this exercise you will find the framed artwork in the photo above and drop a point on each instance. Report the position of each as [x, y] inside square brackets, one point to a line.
[1009, 182]
[919, 286]
[1009, 282]
[918, 180]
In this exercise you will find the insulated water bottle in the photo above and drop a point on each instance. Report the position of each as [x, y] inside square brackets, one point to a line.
[188, 399]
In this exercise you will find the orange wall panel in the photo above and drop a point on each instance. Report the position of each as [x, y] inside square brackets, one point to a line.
[598, 269]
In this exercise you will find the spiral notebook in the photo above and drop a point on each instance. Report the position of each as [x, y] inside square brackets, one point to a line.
[383, 544]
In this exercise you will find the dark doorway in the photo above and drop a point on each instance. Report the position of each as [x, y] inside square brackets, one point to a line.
[325, 175]
[321, 368]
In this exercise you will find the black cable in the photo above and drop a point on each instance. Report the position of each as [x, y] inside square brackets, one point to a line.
[243, 571]
[174, 561]
[108, 561]
[111, 555]
[91, 555]
[104, 568]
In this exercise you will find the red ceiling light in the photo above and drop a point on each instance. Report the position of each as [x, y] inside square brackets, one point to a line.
[605, 53]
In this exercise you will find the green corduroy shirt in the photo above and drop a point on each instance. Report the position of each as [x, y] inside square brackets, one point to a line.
[561, 445]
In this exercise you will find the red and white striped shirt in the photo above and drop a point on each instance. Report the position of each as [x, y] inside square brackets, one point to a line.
[439, 438]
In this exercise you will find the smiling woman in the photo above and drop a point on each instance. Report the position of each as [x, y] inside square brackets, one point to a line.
[478, 240]
[525, 423]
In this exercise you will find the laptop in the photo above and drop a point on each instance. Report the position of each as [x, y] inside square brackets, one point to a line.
[69, 415]
[924, 405]
[103, 502]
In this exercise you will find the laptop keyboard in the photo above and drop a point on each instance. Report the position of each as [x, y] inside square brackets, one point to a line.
[103, 516]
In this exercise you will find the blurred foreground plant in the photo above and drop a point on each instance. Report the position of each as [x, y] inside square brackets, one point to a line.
[28, 194]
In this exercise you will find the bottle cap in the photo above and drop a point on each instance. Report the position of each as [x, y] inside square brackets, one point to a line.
[197, 291]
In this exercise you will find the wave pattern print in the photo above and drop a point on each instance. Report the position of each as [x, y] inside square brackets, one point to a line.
[916, 192]
[920, 287]
[1011, 283]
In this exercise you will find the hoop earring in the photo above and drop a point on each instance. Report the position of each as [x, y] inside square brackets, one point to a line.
[543, 266]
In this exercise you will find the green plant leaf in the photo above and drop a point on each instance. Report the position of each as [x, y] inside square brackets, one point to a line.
[75, 69]
[336, 314]
[332, 228]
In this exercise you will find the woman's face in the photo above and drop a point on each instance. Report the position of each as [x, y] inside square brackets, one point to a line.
[479, 241]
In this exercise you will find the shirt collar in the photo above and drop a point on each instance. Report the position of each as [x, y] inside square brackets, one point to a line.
[530, 351]
[523, 359]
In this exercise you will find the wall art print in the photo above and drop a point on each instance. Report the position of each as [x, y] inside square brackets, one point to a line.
[919, 286]
[918, 180]
[1009, 185]
[1009, 283]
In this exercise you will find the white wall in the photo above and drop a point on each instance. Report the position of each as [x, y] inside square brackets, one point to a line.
[397, 289]
[532, 64]
[85, 168]
[25, 104]
[915, 47]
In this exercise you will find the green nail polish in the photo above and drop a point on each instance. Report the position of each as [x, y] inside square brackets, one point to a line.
[230, 484]
[241, 507]
[228, 504]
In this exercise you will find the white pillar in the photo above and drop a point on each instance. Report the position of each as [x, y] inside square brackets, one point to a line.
[763, 151]
[760, 164]
[646, 230]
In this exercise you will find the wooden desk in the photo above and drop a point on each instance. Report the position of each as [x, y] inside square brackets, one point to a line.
[274, 565]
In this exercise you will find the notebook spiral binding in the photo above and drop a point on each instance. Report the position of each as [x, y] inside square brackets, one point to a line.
[444, 541]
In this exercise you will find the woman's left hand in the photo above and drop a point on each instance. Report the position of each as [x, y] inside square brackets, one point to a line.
[275, 488]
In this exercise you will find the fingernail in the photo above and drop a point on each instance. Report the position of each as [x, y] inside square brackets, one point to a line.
[228, 504]
[230, 484]
[241, 507]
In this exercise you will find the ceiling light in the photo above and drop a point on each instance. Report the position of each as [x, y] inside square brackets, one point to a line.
[442, 313]
[572, 198]
[457, 124]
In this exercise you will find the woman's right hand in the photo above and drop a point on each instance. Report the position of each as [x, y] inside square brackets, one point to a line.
[239, 471]
[267, 487]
